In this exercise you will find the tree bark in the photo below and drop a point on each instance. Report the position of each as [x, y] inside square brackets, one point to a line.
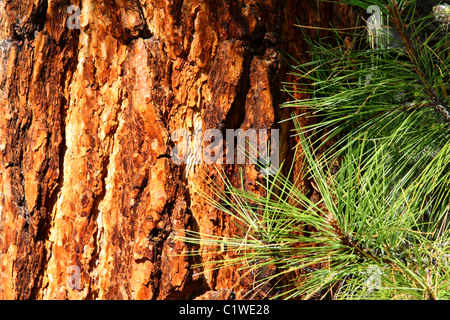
[89, 194]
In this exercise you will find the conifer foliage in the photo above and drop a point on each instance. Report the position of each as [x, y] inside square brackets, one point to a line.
[381, 228]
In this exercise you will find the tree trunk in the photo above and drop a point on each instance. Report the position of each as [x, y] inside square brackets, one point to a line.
[90, 196]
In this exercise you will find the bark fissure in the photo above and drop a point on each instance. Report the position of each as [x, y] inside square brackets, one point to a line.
[51, 202]
[95, 213]
[88, 180]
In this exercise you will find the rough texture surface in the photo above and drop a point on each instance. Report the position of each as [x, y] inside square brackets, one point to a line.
[87, 184]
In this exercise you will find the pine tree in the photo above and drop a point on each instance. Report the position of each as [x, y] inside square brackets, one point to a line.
[380, 230]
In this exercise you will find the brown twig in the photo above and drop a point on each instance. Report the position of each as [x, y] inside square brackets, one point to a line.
[395, 14]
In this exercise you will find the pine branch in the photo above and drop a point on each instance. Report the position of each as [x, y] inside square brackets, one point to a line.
[386, 207]
[410, 50]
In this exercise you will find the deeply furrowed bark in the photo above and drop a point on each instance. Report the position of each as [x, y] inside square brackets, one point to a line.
[87, 181]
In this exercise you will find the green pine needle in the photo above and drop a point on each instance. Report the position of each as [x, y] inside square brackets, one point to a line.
[380, 230]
